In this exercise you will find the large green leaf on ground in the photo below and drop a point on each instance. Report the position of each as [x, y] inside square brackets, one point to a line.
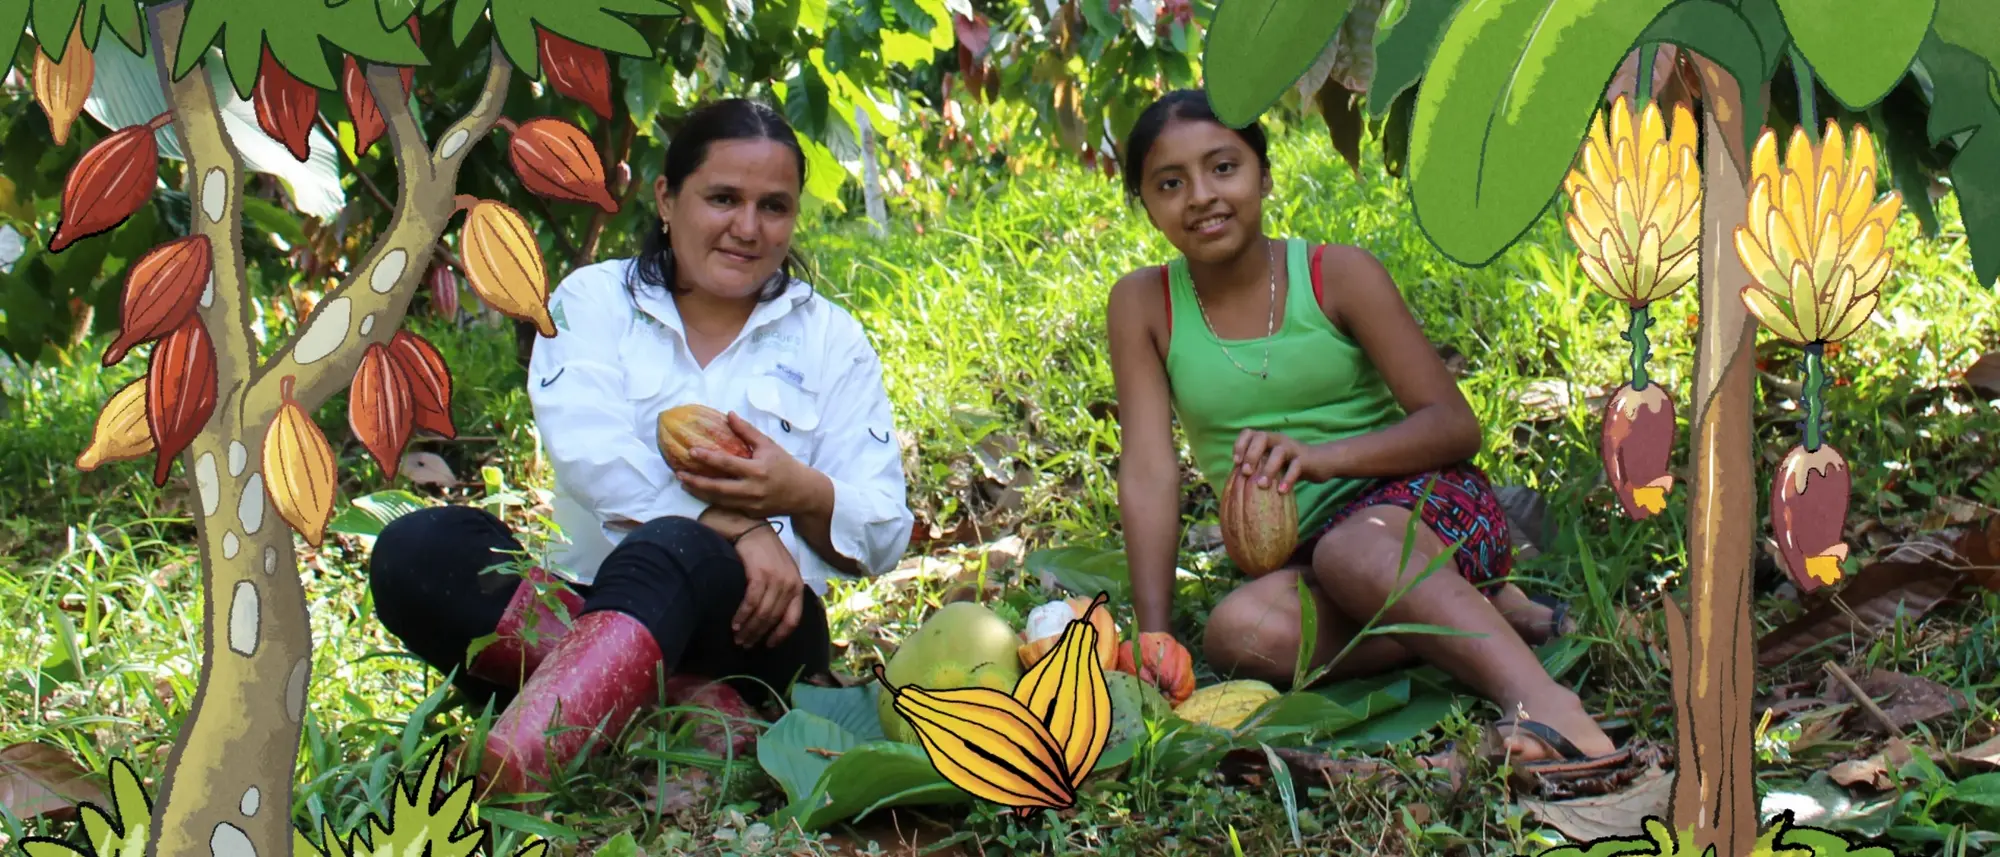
[1504, 104]
[293, 32]
[1858, 48]
[1084, 571]
[1720, 32]
[1962, 100]
[1403, 46]
[368, 514]
[1256, 49]
[853, 708]
[829, 774]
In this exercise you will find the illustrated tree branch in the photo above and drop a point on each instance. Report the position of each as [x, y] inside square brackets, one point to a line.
[382, 199]
[368, 305]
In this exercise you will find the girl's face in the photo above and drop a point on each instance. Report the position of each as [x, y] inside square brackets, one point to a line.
[1204, 189]
[731, 224]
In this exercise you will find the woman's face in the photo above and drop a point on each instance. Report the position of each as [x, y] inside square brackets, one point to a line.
[1204, 189]
[731, 224]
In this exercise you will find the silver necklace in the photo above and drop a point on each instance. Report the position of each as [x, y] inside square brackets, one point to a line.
[1270, 325]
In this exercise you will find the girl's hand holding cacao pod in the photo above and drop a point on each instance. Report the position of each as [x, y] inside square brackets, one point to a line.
[1273, 459]
[769, 483]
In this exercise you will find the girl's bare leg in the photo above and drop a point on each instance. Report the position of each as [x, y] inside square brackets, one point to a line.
[1356, 567]
[1254, 633]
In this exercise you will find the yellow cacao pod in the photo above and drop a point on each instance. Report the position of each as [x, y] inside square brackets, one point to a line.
[121, 432]
[504, 263]
[298, 468]
[1260, 527]
[60, 87]
[1225, 705]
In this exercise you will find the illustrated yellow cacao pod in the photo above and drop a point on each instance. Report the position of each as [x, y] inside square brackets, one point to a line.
[298, 468]
[121, 433]
[60, 87]
[1047, 623]
[504, 263]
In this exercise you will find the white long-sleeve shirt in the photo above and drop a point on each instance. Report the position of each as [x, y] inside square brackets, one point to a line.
[802, 371]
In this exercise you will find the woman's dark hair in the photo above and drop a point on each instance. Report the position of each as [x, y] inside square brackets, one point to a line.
[728, 119]
[1190, 104]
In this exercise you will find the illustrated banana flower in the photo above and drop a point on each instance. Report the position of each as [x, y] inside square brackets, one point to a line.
[1809, 496]
[1815, 236]
[1635, 203]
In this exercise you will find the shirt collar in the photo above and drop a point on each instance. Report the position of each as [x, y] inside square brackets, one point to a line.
[656, 302]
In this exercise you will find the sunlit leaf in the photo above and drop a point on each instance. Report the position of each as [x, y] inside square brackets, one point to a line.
[1256, 49]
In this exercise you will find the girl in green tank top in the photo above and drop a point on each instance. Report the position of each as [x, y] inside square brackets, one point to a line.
[1299, 368]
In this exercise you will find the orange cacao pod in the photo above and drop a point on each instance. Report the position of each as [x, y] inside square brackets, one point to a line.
[285, 105]
[161, 291]
[60, 87]
[379, 408]
[1260, 527]
[180, 391]
[578, 71]
[108, 183]
[1637, 443]
[429, 381]
[557, 160]
[1809, 496]
[1163, 663]
[686, 428]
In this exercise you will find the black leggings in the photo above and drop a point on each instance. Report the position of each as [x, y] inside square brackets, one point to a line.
[678, 577]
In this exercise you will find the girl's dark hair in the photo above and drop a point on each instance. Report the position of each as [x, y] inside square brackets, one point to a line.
[1190, 104]
[728, 119]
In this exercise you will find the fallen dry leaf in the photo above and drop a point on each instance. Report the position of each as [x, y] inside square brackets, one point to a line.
[1621, 813]
[684, 790]
[1984, 374]
[1877, 596]
[1906, 700]
[1986, 755]
[1872, 772]
[39, 779]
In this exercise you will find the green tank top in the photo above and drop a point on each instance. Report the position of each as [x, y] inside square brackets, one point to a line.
[1322, 386]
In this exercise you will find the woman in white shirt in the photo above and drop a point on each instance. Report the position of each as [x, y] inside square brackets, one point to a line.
[666, 572]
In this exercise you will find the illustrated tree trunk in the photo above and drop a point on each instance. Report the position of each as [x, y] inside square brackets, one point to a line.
[227, 789]
[1713, 669]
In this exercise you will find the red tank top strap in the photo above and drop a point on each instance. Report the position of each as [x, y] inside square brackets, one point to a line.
[1319, 297]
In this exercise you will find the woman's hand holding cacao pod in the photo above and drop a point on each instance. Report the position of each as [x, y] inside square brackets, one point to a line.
[1162, 662]
[767, 483]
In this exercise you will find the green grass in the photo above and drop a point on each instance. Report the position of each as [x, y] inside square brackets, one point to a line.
[990, 324]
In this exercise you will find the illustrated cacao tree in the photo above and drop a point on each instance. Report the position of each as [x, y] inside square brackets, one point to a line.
[1778, 220]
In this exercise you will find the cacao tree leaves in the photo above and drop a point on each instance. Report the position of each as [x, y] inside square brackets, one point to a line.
[394, 12]
[1403, 46]
[1256, 49]
[1339, 106]
[13, 30]
[1858, 48]
[1962, 100]
[1505, 102]
[53, 19]
[596, 24]
[1973, 25]
[293, 32]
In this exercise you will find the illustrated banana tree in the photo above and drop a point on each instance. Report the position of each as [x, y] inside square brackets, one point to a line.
[1506, 113]
[239, 423]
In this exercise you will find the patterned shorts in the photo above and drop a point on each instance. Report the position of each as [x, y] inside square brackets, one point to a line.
[1461, 506]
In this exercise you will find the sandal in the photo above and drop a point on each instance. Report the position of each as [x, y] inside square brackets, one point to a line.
[1572, 759]
[1559, 624]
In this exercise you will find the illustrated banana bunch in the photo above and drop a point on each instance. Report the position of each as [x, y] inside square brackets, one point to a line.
[1031, 749]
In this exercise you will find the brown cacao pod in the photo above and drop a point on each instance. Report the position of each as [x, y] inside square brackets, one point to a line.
[285, 106]
[429, 381]
[180, 391]
[379, 409]
[1637, 443]
[578, 71]
[444, 290]
[557, 160]
[161, 291]
[1809, 494]
[108, 183]
[1260, 527]
[1162, 662]
[686, 428]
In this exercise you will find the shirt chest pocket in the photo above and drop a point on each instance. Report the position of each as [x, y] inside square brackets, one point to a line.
[785, 404]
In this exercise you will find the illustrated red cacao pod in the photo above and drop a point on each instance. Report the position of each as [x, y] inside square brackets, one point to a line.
[1637, 443]
[429, 382]
[685, 428]
[368, 122]
[1809, 496]
[379, 408]
[161, 292]
[180, 391]
[444, 290]
[108, 183]
[1259, 525]
[285, 106]
[578, 71]
[557, 160]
